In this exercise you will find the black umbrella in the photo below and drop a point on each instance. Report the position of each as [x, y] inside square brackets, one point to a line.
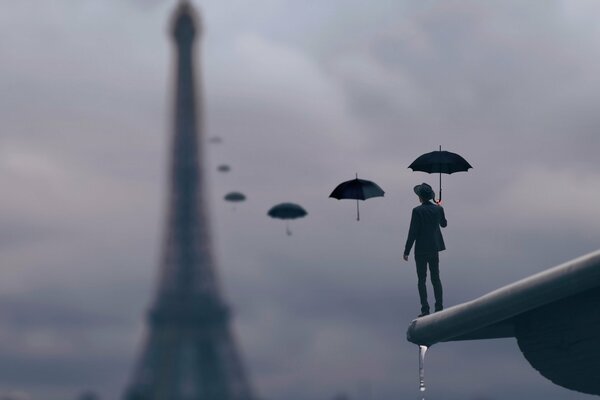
[440, 161]
[223, 168]
[287, 211]
[235, 197]
[358, 189]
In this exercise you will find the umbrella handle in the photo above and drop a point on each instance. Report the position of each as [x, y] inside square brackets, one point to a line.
[440, 196]
[357, 212]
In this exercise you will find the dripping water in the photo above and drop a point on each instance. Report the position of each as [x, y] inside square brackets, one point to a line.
[422, 351]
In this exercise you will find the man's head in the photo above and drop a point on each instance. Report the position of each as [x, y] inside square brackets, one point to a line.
[425, 192]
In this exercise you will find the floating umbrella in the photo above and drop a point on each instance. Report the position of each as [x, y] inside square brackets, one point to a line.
[443, 162]
[358, 189]
[224, 168]
[235, 197]
[287, 211]
[215, 140]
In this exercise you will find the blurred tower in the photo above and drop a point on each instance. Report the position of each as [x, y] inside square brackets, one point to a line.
[189, 353]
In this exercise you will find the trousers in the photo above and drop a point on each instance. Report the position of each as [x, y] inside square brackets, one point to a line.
[433, 260]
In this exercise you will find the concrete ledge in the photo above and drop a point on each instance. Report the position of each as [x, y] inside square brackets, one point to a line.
[493, 315]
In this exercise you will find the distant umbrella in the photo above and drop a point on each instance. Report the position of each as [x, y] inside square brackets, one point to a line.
[235, 197]
[442, 162]
[359, 189]
[215, 140]
[223, 168]
[287, 211]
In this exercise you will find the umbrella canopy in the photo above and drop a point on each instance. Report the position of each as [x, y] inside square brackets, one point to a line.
[287, 211]
[357, 189]
[442, 162]
[223, 168]
[235, 197]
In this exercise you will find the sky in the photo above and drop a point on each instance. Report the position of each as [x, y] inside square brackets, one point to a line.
[304, 95]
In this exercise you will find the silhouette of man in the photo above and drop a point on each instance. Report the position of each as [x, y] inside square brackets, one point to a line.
[426, 234]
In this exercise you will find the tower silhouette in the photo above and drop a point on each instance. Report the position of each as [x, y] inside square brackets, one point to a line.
[190, 352]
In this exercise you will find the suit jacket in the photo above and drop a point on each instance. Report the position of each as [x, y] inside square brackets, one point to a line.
[425, 229]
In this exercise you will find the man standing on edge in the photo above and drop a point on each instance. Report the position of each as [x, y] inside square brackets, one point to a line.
[425, 231]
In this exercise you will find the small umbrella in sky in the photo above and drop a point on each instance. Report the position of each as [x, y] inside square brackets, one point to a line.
[443, 162]
[358, 189]
[235, 197]
[215, 140]
[287, 211]
[223, 168]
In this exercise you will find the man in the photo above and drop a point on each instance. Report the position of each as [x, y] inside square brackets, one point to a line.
[425, 231]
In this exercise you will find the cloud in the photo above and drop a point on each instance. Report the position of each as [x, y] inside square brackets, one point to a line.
[15, 396]
[553, 197]
[304, 96]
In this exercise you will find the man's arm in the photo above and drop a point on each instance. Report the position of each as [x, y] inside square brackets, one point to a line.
[443, 222]
[413, 231]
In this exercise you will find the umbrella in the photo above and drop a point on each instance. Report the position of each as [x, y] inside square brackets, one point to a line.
[358, 189]
[224, 168]
[287, 211]
[235, 197]
[440, 161]
[215, 140]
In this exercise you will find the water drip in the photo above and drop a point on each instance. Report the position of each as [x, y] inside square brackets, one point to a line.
[422, 351]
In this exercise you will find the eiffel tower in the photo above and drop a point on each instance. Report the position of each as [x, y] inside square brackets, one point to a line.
[190, 352]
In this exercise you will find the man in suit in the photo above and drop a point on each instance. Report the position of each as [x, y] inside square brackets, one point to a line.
[426, 234]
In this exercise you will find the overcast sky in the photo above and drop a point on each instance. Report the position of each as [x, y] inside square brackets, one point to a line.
[304, 94]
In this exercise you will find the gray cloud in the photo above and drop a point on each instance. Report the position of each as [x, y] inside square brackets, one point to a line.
[304, 95]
